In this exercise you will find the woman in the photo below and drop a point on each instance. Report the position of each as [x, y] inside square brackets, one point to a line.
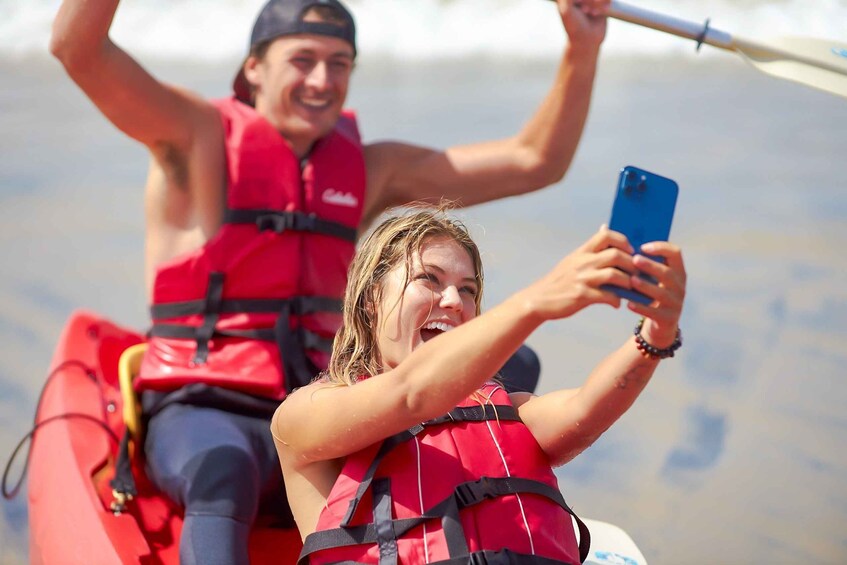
[368, 483]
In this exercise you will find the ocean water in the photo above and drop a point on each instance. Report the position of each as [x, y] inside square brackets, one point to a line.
[735, 453]
[213, 30]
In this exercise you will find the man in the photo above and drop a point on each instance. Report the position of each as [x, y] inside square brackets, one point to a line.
[252, 206]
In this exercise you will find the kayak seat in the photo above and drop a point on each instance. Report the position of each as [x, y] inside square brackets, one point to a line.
[128, 366]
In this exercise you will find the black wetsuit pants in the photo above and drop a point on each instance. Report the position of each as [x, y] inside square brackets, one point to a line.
[223, 469]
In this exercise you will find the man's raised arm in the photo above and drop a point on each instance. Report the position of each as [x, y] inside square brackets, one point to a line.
[537, 156]
[133, 100]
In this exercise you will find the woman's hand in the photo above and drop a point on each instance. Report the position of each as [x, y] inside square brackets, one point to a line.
[575, 282]
[668, 293]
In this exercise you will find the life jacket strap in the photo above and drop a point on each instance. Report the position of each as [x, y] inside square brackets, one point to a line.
[281, 221]
[300, 305]
[470, 493]
[386, 536]
[502, 557]
[463, 496]
[486, 557]
[504, 412]
[211, 313]
[123, 483]
[208, 396]
[310, 340]
[292, 343]
[470, 414]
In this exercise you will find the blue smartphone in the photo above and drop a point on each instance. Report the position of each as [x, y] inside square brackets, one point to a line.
[643, 212]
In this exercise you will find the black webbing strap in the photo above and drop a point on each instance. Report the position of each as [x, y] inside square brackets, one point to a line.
[208, 396]
[211, 313]
[584, 536]
[310, 340]
[179, 309]
[292, 343]
[487, 557]
[280, 221]
[123, 484]
[299, 305]
[482, 413]
[387, 445]
[299, 369]
[471, 493]
[463, 496]
[386, 538]
[466, 414]
[451, 523]
[502, 557]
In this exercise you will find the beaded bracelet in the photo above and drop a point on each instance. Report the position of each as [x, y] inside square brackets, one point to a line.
[652, 352]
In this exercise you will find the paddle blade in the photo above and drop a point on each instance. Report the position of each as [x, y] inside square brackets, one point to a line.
[818, 63]
[610, 544]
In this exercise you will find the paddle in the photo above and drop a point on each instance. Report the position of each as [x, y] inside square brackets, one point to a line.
[814, 62]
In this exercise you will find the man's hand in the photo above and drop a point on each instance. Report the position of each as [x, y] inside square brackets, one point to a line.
[584, 21]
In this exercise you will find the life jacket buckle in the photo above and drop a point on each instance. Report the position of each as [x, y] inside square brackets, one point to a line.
[277, 222]
[416, 429]
[281, 221]
[468, 494]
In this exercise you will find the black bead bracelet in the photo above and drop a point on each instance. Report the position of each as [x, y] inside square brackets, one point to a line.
[652, 352]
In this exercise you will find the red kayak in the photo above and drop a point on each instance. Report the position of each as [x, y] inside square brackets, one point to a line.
[72, 460]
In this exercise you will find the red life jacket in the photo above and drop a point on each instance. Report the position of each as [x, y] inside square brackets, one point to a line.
[471, 487]
[255, 309]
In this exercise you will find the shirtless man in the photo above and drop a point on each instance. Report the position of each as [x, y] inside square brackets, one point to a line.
[276, 177]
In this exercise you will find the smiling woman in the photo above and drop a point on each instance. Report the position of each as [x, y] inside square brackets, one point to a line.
[428, 277]
[458, 470]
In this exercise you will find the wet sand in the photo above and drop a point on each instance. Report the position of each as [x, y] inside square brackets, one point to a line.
[736, 451]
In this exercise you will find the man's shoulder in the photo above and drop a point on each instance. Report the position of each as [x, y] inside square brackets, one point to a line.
[347, 126]
[231, 106]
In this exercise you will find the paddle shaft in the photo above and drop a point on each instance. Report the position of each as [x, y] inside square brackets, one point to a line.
[702, 33]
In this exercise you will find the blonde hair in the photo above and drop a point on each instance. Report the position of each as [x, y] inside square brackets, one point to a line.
[398, 240]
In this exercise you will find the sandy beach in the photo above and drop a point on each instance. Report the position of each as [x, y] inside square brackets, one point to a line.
[736, 451]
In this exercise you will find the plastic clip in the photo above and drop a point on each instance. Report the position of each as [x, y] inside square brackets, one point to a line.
[702, 37]
[119, 503]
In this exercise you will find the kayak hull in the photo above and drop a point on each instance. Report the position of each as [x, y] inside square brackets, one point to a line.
[72, 461]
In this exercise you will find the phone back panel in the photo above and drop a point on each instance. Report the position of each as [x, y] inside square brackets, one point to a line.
[644, 206]
[643, 211]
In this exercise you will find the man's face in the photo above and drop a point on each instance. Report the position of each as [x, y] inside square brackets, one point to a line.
[301, 84]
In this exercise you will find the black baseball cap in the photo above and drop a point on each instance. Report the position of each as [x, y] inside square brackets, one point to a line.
[285, 17]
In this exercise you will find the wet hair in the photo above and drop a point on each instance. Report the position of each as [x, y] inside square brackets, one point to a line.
[396, 241]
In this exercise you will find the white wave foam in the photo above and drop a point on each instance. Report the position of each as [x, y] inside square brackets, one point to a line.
[214, 30]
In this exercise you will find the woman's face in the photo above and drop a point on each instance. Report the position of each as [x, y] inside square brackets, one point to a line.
[440, 296]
